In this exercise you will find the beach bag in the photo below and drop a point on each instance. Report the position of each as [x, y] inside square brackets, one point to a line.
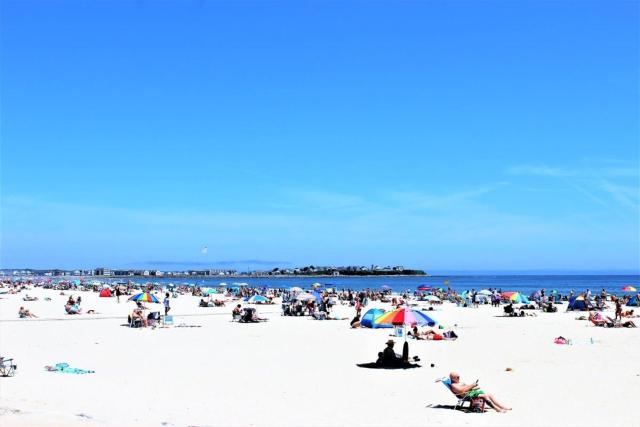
[477, 405]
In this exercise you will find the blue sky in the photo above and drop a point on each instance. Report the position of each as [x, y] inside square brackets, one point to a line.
[439, 135]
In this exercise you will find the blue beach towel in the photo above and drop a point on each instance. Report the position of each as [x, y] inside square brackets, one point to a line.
[66, 369]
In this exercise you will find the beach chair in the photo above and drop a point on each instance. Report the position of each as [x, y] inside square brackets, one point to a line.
[167, 320]
[7, 367]
[134, 322]
[461, 400]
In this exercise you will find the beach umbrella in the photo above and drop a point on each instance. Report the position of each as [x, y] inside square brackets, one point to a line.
[519, 298]
[385, 288]
[432, 298]
[222, 284]
[629, 288]
[405, 316]
[145, 297]
[257, 299]
[316, 285]
[508, 294]
[485, 292]
[305, 296]
[295, 289]
[211, 291]
[424, 288]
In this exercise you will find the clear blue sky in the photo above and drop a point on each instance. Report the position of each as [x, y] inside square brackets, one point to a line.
[440, 135]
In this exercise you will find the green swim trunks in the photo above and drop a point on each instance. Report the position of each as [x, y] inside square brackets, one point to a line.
[475, 393]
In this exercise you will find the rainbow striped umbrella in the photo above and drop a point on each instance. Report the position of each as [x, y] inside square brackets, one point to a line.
[629, 288]
[405, 316]
[144, 297]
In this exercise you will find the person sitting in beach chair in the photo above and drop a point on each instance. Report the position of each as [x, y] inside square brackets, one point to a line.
[471, 391]
[508, 310]
[7, 367]
[28, 298]
[137, 319]
[24, 313]
[203, 303]
[549, 308]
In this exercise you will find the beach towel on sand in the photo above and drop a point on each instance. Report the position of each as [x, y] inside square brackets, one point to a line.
[374, 365]
[66, 369]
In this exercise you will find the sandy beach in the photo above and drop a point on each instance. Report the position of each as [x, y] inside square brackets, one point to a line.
[290, 371]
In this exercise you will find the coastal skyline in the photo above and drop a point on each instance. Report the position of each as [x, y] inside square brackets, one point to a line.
[493, 136]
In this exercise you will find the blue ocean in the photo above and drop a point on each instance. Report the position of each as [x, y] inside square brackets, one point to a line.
[521, 283]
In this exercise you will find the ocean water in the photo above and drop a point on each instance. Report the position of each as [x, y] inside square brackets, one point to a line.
[521, 283]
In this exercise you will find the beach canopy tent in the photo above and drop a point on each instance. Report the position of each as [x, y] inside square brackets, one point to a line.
[634, 302]
[536, 295]
[579, 303]
[368, 320]
[519, 298]
[105, 293]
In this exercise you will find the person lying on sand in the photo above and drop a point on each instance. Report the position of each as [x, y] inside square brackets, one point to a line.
[72, 309]
[473, 391]
[24, 313]
[598, 320]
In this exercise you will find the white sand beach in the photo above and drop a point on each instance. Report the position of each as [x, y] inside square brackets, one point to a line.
[293, 371]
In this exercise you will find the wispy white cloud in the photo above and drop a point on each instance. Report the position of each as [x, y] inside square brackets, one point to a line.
[541, 170]
[609, 184]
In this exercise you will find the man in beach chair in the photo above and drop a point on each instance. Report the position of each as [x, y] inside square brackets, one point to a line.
[7, 368]
[472, 392]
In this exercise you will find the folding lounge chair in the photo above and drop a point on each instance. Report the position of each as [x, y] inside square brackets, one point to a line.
[7, 368]
[461, 400]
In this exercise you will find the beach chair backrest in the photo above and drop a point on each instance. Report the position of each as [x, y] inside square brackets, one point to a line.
[168, 320]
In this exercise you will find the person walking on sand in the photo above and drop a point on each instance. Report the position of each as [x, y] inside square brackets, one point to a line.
[166, 304]
[618, 309]
[118, 293]
[472, 391]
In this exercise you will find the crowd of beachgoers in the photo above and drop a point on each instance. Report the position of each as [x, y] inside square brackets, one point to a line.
[318, 300]
[417, 316]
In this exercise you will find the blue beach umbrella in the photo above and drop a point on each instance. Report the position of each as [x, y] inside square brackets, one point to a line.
[257, 299]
